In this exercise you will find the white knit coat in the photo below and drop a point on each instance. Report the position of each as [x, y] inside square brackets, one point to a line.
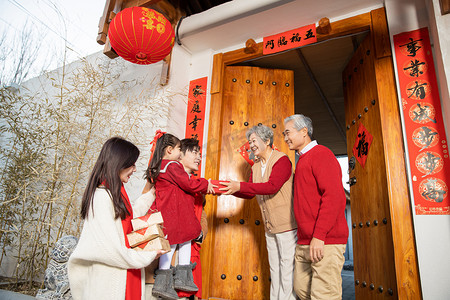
[98, 266]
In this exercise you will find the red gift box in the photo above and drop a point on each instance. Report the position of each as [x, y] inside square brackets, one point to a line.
[146, 221]
[143, 235]
[219, 186]
[153, 245]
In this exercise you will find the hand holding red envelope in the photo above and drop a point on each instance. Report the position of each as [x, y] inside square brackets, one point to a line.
[219, 185]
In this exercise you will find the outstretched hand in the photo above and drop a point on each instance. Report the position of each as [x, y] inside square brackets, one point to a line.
[211, 187]
[231, 187]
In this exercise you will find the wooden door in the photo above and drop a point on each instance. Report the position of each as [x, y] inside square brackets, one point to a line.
[385, 263]
[238, 265]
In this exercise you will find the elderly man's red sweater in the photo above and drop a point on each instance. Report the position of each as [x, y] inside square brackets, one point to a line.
[319, 198]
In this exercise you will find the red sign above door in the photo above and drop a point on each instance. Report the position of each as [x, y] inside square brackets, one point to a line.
[290, 39]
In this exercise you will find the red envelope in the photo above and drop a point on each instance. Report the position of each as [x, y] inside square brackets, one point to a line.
[219, 186]
[244, 150]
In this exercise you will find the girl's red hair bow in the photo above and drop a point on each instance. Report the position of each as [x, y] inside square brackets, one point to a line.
[158, 134]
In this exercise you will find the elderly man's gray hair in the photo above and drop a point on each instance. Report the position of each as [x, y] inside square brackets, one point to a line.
[264, 133]
[300, 122]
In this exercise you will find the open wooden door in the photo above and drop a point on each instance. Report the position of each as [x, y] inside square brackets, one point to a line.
[385, 261]
[237, 257]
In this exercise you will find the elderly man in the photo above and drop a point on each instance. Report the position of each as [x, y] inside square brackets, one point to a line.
[319, 208]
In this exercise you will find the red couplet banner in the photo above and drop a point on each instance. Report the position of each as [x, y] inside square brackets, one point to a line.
[290, 39]
[424, 127]
[195, 120]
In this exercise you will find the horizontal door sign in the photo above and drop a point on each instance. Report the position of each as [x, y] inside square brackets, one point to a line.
[290, 39]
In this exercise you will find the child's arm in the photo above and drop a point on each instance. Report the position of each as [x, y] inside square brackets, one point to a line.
[178, 175]
[211, 187]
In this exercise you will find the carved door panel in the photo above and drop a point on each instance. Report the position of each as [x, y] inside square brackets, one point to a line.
[239, 267]
[378, 259]
[372, 236]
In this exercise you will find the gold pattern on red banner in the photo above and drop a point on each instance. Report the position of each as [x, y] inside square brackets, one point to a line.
[433, 190]
[195, 120]
[426, 138]
[290, 39]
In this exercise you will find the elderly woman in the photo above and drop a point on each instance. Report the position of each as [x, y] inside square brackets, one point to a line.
[271, 182]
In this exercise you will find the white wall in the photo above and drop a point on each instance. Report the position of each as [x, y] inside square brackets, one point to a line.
[181, 73]
[149, 78]
[432, 233]
[258, 18]
[203, 62]
[179, 83]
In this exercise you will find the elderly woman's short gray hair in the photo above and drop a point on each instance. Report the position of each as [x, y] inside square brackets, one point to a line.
[264, 133]
[300, 122]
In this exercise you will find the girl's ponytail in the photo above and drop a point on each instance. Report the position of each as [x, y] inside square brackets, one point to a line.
[164, 140]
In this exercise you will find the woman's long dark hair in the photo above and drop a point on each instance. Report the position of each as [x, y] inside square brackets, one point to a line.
[155, 163]
[116, 154]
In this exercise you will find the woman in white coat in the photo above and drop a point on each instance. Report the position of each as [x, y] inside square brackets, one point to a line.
[103, 266]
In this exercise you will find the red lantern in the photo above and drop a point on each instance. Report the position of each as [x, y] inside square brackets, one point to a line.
[141, 35]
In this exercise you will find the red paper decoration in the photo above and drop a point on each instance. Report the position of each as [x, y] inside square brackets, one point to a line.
[424, 123]
[195, 117]
[141, 35]
[247, 154]
[290, 39]
[362, 145]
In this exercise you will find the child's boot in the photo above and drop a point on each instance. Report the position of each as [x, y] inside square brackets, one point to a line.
[183, 279]
[163, 286]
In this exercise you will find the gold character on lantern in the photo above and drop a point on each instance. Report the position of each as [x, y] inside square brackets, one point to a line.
[160, 28]
[149, 24]
[148, 13]
[162, 20]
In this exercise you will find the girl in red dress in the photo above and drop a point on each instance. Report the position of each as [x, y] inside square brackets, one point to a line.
[173, 199]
